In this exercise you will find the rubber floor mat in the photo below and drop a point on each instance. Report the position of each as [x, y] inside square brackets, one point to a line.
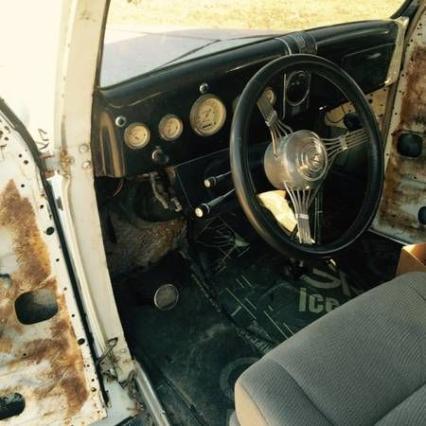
[258, 295]
[192, 353]
[252, 283]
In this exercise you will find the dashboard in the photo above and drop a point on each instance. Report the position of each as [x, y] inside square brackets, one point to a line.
[183, 112]
[208, 114]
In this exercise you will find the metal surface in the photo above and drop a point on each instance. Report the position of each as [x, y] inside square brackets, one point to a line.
[334, 146]
[276, 126]
[54, 102]
[377, 100]
[153, 404]
[120, 121]
[166, 297]
[300, 160]
[82, 24]
[398, 53]
[405, 179]
[48, 361]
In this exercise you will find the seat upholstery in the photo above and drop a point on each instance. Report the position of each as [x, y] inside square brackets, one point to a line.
[362, 364]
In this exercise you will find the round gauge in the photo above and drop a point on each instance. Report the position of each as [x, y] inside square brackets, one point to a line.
[297, 88]
[170, 127]
[137, 135]
[208, 115]
[270, 95]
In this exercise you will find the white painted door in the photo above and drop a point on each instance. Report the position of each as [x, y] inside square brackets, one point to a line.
[47, 372]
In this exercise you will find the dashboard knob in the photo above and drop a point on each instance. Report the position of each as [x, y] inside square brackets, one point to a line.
[159, 157]
[212, 181]
[201, 211]
[211, 207]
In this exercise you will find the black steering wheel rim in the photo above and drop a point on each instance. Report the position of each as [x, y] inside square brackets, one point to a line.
[268, 229]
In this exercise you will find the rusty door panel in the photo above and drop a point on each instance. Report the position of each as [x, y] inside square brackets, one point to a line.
[404, 190]
[48, 362]
[377, 101]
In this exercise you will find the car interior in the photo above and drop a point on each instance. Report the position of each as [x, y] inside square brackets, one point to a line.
[251, 211]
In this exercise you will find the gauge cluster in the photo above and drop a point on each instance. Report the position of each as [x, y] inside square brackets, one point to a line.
[173, 127]
[186, 123]
[206, 118]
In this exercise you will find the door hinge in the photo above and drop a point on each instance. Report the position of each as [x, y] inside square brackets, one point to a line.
[59, 163]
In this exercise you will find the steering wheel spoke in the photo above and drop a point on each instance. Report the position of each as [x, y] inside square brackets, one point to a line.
[318, 216]
[349, 140]
[276, 126]
[302, 200]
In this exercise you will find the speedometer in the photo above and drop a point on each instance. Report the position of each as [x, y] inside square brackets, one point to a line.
[208, 115]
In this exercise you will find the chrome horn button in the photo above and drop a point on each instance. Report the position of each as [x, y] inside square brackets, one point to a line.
[311, 156]
[300, 161]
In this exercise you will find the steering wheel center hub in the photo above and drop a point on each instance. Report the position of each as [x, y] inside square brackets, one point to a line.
[299, 160]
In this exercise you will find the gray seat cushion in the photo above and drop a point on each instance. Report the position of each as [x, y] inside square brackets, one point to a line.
[362, 364]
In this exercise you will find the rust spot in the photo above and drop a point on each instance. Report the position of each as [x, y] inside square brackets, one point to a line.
[63, 375]
[403, 191]
[17, 216]
[5, 344]
[413, 109]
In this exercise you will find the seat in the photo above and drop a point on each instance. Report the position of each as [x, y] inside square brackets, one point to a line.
[362, 364]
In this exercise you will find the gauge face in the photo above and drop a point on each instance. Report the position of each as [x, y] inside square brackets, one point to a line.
[170, 127]
[297, 87]
[270, 95]
[208, 115]
[137, 135]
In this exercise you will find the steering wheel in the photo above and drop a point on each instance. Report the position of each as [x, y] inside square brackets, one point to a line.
[297, 162]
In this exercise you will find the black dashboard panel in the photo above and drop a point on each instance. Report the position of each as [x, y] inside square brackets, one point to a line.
[179, 101]
[174, 89]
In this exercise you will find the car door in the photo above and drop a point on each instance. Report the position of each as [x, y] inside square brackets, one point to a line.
[47, 371]
[402, 211]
